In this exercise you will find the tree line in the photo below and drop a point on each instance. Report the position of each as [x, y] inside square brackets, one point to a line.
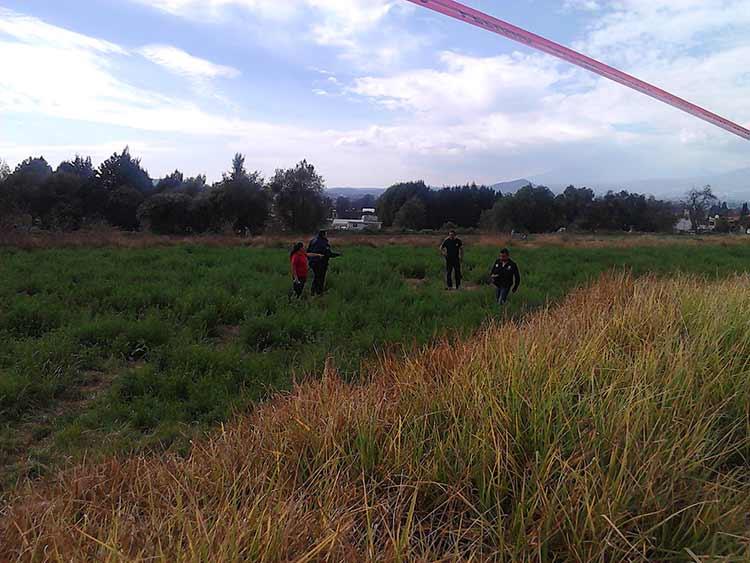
[533, 209]
[121, 193]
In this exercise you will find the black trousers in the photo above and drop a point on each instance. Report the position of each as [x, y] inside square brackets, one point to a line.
[502, 294]
[320, 269]
[453, 267]
[299, 287]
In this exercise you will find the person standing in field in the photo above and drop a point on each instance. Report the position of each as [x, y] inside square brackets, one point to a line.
[505, 276]
[319, 251]
[453, 251]
[299, 266]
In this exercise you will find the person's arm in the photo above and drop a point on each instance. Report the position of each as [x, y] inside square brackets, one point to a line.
[443, 251]
[493, 275]
[516, 278]
[291, 267]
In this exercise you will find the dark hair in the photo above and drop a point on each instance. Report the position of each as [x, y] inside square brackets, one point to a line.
[505, 251]
[296, 248]
[322, 234]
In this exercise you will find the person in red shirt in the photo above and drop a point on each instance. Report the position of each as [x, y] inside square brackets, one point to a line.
[299, 268]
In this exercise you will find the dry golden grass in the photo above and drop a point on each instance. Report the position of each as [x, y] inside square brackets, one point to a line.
[112, 238]
[614, 427]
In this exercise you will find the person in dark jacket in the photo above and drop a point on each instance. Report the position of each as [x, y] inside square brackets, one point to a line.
[453, 251]
[320, 253]
[505, 276]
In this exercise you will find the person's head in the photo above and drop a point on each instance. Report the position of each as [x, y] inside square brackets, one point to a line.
[322, 234]
[451, 234]
[296, 248]
[505, 255]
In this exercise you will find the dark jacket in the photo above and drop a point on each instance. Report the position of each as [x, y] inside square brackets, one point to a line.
[320, 245]
[506, 275]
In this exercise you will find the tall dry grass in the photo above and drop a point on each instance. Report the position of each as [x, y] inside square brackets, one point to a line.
[612, 428]
[106, 237]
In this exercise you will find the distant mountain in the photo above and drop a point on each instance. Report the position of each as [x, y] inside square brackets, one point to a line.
[353, 193]
[731, 186]
[511, 187]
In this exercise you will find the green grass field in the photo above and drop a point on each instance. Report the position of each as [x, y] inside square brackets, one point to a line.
[114, 349]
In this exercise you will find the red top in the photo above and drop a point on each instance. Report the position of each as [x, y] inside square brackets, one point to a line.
[299, 264]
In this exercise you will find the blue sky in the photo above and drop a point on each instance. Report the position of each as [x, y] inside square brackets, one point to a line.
[373, 91]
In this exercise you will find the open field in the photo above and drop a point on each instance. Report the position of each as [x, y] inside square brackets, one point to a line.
[615, 427]
[110, 350]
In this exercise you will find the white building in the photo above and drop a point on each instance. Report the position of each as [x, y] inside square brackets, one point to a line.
[683, 225]
[368, 222]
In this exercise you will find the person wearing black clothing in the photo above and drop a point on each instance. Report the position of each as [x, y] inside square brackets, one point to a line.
[505, 276]
[319, 264]
[453, 251]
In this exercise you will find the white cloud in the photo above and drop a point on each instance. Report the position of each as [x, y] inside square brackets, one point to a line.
[632, 29]
[357, 28]
[86, 85]
[585, 5]
[465, 85]
[184, 64]
[35, 32]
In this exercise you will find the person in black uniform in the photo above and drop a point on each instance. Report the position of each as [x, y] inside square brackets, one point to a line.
[505, 276]
[453, 251]
[319, 251]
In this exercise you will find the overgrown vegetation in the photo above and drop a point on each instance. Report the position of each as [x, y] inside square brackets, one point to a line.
[114, 349]
[613, 428]
[121, 193]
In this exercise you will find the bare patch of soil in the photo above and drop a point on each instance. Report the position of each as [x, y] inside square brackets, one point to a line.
[228, 333]
[416, 283]
[472, 287]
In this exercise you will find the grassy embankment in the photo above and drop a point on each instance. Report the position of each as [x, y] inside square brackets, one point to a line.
[107, 350]
[615, 427]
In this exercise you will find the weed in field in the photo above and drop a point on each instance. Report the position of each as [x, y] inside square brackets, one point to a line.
[184, 335]
[612, 428]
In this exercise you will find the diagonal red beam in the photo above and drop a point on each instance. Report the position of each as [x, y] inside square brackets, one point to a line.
[480, 19]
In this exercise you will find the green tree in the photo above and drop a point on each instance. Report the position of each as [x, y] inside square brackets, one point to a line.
[194, 186]
[396, 196]
[531, 209]
[240, 199]
[121, 208]
[20, 187]
[79, 166]
[412, 215]
[575, 206]
[124, 170]
[697, 203]
[171, 182]
[300, 203]
[167, 213]
[57, 204]
[30, 173]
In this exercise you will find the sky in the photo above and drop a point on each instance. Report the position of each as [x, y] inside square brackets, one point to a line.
[374, 91]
